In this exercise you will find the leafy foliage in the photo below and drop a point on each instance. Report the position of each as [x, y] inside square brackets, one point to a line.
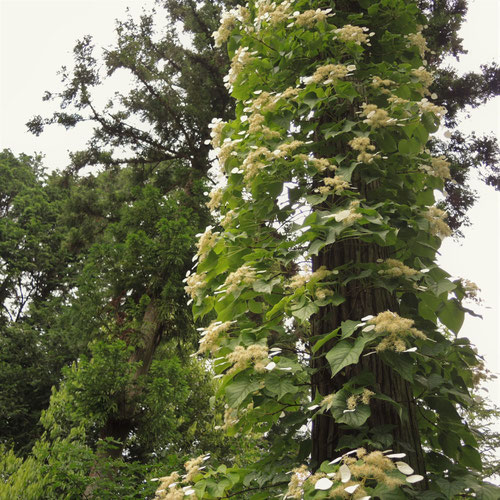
[326, 160]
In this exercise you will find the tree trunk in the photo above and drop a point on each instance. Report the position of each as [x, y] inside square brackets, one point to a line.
[119, 426]
[361, 301]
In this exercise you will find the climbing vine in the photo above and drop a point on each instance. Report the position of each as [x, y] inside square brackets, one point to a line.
[328, 149]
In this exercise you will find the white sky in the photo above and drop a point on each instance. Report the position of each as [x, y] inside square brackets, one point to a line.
[37, 37]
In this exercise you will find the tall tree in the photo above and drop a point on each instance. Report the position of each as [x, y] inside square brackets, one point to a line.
[326, 160]
[176, 88]
[132, 397]
[167, 151]
[35, 275]
[131, 229]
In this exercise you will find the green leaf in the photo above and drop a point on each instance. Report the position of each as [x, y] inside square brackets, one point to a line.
[238, 390]
[310, 99]
[487, 492]
[280, 384]
[336, 130]
[336, 299]
[345, 353]
[451, 488]
[421, 134]
[233, 310]
[450, 443]
[470, 457]
[280, 306]
[349, 327]
[323, 340]
[305, 312]
[430, 122]
[386, 142]
[408, 146]
[444, 408]
[315, 199]
[262, 286]
[333, 232]
[346, 90]
[346, 172]
[383, 491]
[316, 246]
[425, 197]
[452, 315]
[217, 488]
[443, 286]
[402, 363]
[255, 307]
[354, 418]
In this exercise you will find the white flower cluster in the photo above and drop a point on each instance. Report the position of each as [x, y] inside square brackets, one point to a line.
[244, 275]
[300, 280]
[424, 77]
[396, 328]
[376, 117]
[381, 84]
[426, 106]
[170, 486]
[228, 22]
[471, 291]
[264, 103]
[378, 82]
[354, 399]
[240, 59]
[230, 418]
[418, 40]
[397, 101]
[333, 185]
[210, 335]
[329, 73]
[437, 225]
[254, 162]
[255, 353]
[349, 480]
[363, 145]
[350, 215]
[215, 199]
[320, 164]
[396, 269]
[167, 484]
[195, 284]
[228, 217]
[271, 12]
[206, 242]
[439, 167]
[356, 34]
[226, 150]
[311, 17]
[216, 127]
[256, 125]
[286, 148]
[322, 293]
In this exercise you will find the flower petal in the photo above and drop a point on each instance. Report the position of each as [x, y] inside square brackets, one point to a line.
[345, 473]
[323, 484]
[351, 489]
[404, 468]
[414, 479]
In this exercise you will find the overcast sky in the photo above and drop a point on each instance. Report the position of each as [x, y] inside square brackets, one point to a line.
[36, 39]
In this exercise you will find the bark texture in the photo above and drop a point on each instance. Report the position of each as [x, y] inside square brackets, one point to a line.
[361, 301]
